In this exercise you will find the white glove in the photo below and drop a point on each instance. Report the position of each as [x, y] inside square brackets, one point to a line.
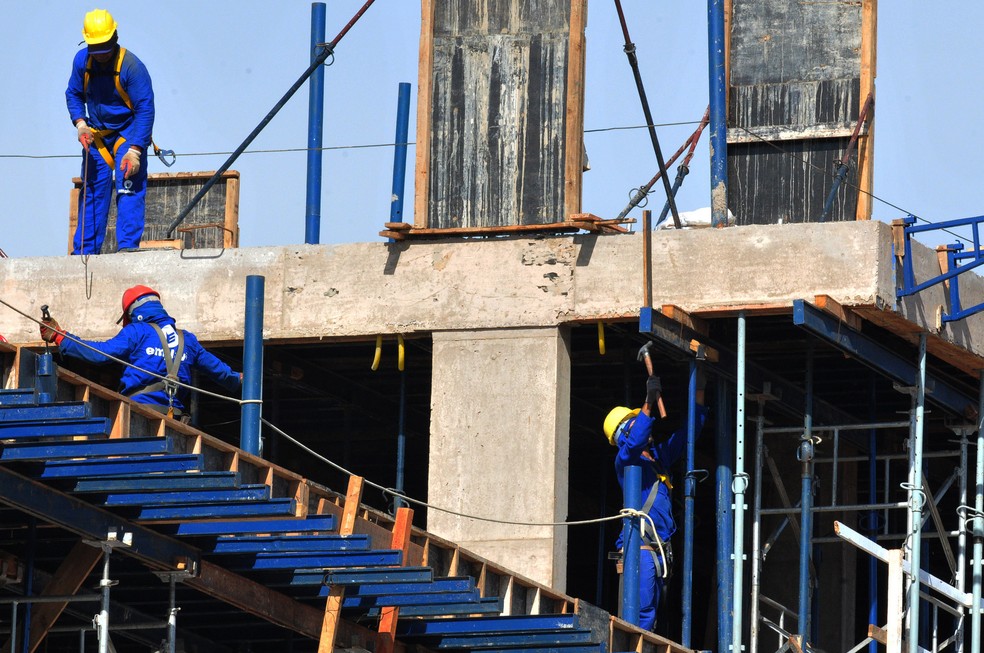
[131, 163]
[85, 134]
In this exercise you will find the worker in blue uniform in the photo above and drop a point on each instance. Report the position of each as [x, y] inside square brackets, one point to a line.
[111, 103]
[151, 342]
[632, 432]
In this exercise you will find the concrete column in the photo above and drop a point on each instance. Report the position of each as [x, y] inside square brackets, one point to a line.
[499, 442]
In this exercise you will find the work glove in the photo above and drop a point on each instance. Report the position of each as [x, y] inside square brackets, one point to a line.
[131, 163]
[48, 331]
[85, 134]
[653, 390]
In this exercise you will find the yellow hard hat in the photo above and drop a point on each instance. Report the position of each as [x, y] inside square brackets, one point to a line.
[615, 417]
[98, 26]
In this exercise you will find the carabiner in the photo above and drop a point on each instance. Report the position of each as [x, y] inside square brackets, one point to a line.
[162, 154]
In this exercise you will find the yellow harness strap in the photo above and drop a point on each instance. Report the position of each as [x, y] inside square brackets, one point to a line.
[99, 134]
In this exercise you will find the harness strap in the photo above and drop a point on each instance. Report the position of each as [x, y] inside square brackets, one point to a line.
[173, 363]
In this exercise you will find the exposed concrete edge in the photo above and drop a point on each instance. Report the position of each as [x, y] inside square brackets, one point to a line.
[359, 290]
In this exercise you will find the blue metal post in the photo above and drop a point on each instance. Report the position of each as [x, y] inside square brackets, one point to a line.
[631, 543]
[738, 488]
[725, 531]
[316, 115]
[401, 443]
[400, 152]
[249, 433]
[690, 489]
[28, 586]
[718, 112]
[916, 499]
[805, 456]
[978, 528]
[46, 374]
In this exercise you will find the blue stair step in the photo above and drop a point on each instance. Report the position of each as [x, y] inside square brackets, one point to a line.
[323, 523]
[161, 481]
[239, 544]
[188, 497]
[245, 510]
[571, 648]
[519, 639]
[440, 585]
[499, 625]
[363, 603]
[44, 412]
[337, 560]
[489, 606]
[17, 397]
[50, 450]
[125, 466]
[41, 428]
[371, 575]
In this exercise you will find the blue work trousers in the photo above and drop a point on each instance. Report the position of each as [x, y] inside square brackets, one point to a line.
[650, 589]
[97, 191]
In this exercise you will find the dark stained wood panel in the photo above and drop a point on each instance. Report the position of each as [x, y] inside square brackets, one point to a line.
[795, 77]
[498, 113]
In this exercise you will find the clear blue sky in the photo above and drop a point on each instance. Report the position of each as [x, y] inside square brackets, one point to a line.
[218, 67]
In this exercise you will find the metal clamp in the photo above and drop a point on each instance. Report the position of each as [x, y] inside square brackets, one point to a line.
[915, 491]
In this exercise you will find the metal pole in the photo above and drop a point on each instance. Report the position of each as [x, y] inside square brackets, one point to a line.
[690, 489]
[805, 456]
[978, 527]
[719, 112]
[962, 544]
[400, 152]
[29, 580]
[725, 544]
[916, 499]
[757, 527]
[316, 128]
[873, 516]
[172, 617]
[739, 484]
[631, 543]
[102, 630]
[401, 443]
[249, 431]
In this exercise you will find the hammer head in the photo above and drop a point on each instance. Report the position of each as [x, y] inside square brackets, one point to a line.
[45, 315]
[644, 351]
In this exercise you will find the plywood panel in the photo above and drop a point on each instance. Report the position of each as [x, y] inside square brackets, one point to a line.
[213, 223]
[498, 107]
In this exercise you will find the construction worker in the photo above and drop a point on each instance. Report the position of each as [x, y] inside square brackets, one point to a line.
[632, 432]
[151, 342]
[111, 103]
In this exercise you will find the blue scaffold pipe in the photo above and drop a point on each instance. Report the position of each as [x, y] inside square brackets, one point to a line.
[690, 489]
[631, 544]
[316, 129]
[718, 87]
[249, 434]
[805, 455]
[400, 152]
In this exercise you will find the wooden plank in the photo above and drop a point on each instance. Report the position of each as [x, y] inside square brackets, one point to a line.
[574, 150]
[230, 235]
[336, 594]
[398, 226]
[71, 574]
[779, 133]
[829, 304]
[389, 615]
[73, 215]
[395, 235]
[866, 144]
[175, 243]
[750, 310]
[686, 319]
[878, 634]
[425, 93]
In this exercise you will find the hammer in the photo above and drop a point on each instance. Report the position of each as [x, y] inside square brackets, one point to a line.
[644, 356]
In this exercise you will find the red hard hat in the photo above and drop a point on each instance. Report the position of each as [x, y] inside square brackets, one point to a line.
[130, 297]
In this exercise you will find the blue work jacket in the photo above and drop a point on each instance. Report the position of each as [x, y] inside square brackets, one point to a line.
[665, 453]
[139, 344]
[102, 107]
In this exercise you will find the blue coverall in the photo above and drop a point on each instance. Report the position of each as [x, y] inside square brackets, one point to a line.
[102, 107]
[139, 344]
[631, 445]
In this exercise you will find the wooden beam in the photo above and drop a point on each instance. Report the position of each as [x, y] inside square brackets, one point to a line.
[686, 319]
[71, 573]
[878, 634]
[328, 632]
[866, 149]
[230, 235]
[574, 150]
[425, 92]
[848, 317]
[389, 615]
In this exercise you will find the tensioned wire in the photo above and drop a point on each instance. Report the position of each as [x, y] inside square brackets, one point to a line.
[625, 512]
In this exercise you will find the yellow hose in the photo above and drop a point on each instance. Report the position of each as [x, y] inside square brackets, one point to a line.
[379, 353]
[401, 351]
[601, 338]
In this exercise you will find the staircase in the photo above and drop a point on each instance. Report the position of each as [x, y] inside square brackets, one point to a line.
[260, 559]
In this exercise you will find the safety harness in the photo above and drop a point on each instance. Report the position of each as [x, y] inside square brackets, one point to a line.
[98, 135]
[660, 550]
[169, 384]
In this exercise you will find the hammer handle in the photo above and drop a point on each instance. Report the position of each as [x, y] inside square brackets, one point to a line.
[659, 399]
